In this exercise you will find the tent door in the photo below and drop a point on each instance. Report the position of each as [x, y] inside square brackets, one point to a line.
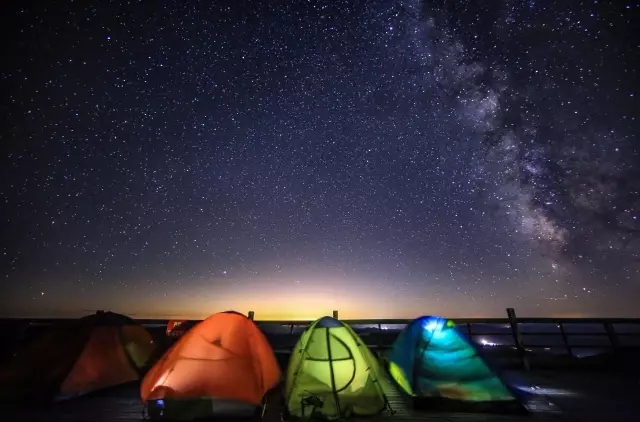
[311, 401]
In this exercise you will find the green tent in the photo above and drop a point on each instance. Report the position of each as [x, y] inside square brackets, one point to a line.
[332, 374]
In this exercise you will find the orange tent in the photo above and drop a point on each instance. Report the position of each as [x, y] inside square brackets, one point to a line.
[91, 353]
[223, 366]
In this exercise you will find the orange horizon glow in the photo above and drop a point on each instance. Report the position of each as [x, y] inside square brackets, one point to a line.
[276, 300]
[277, 316]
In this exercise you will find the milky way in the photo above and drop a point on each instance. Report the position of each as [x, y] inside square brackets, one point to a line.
[387, 159]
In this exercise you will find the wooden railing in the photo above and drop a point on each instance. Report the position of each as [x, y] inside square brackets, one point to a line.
[568, 336]
[522, 338]
[571, 334]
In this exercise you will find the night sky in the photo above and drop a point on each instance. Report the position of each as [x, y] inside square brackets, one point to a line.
[384, 158]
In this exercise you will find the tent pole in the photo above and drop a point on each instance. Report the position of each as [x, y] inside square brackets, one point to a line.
[333, 379]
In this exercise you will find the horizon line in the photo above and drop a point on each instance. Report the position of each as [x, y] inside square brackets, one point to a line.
[284, 318]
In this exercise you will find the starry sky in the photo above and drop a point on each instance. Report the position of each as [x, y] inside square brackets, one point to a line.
[387, 159]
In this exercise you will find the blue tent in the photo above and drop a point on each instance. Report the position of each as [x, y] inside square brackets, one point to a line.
[438, 365]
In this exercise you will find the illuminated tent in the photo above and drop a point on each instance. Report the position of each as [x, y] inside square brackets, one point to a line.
[332, 374]
[223, 366]
[92, 353]
[434, 362]
[177, 328]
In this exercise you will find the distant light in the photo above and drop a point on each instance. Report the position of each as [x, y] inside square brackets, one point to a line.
[487, 343]
[542, 391]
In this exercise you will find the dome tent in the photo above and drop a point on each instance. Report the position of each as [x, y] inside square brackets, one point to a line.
[332, 374]
[85, 355]
[223, 366]
[441, 368]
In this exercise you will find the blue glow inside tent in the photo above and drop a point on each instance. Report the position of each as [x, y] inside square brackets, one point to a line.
[433, 358]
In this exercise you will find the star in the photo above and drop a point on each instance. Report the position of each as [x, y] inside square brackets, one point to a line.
[389, 160]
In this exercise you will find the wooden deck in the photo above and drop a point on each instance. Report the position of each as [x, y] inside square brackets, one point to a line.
[540, 410]
[122, 404]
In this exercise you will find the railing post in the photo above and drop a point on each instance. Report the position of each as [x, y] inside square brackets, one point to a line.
[517, 338]
[335, 314]
[291, 344]
[565, 339]
[613, 338]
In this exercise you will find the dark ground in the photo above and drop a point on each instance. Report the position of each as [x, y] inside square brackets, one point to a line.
[569, 396]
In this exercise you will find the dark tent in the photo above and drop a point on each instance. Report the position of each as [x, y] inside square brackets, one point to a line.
[92, 353]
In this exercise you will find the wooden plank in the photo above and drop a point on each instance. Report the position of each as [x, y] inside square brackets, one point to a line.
[400, 404]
